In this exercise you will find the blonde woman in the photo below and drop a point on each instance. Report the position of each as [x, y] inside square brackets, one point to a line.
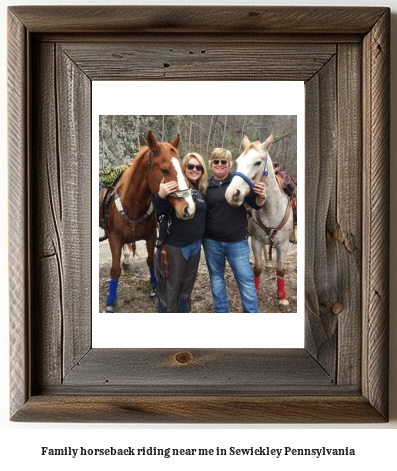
[226, 235]
[179, 244]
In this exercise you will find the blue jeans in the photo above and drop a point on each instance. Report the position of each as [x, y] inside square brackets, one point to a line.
[191, 249]
[237, 254]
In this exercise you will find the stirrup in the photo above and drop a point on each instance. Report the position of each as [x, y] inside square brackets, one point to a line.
[110, 308]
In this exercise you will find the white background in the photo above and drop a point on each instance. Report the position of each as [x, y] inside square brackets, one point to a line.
[20, 443]
[282, 330]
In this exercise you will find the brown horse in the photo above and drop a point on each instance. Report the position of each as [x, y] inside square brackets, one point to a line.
[130, 214]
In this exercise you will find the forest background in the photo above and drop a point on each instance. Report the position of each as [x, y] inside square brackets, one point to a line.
[121, 136]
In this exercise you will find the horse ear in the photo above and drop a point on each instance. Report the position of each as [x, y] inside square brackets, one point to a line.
[152, 142]
[175, 142]
[268, 143]
[245, 140]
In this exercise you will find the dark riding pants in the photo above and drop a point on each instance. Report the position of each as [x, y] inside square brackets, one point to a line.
[174, 294]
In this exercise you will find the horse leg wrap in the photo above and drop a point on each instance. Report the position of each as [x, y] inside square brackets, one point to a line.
[112, 295]
[152, 277]
[256, 279]
[281, 294]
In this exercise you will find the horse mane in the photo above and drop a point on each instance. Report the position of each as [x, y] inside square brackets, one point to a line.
[280, 183]
[252, 145]
[129, 173]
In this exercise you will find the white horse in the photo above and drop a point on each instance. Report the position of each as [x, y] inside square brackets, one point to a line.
[273, 223]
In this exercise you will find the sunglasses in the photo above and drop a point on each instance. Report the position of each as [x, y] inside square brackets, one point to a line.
[199, 168]
[216, 162]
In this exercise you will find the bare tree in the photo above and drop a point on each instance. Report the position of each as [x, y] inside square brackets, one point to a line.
[209, 136]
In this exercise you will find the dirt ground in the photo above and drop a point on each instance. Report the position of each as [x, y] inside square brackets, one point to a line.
[134, 286]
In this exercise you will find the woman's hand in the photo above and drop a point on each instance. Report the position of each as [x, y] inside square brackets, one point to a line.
[167, 188]
[260, 190]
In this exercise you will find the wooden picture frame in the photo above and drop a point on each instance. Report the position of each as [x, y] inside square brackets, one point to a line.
[342, 54]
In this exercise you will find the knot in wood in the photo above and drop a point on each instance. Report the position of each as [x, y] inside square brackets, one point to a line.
[338, 235]
[183, 358]
[337, 308]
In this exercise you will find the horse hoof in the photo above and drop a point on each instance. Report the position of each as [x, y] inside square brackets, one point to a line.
[153, 293]
[283, 305]
[110, 308]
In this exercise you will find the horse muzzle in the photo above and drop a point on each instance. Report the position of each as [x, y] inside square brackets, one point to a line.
[234, 198]
[186, 214]
[184, 209]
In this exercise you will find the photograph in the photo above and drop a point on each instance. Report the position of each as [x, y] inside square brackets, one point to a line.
[198, 213]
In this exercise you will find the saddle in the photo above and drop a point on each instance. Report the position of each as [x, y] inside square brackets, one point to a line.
[104, 207]
[109, 179]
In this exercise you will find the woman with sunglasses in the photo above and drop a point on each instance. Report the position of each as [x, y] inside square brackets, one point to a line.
[179, 243]
[226, 235]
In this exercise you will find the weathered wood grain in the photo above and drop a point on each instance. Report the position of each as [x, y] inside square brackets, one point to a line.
[341, 375]
[203, 370]
[345, 229]
[199, 19]
[62, 256]
[198, 409]
[376, 165]
[19, 216]
[226, 58]
[73, 89]
[321, 163]
[47, 250]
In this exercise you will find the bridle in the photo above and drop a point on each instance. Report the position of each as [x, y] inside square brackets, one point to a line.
[247, 180]
[175, 194]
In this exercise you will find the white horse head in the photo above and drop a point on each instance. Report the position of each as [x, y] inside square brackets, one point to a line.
[254, 163]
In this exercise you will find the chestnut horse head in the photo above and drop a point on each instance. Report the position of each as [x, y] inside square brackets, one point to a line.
[156, 162]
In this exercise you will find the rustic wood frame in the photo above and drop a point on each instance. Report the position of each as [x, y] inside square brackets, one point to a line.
[343, 56]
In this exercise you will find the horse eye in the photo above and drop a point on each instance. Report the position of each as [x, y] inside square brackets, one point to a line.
[164, 171]
[258, 163]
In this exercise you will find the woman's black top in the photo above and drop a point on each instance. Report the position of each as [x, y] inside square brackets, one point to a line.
[226, 223]
[182, 232]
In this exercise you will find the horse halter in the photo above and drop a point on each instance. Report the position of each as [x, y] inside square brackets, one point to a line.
[247, 180]
[181, 193]
[176, 194]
